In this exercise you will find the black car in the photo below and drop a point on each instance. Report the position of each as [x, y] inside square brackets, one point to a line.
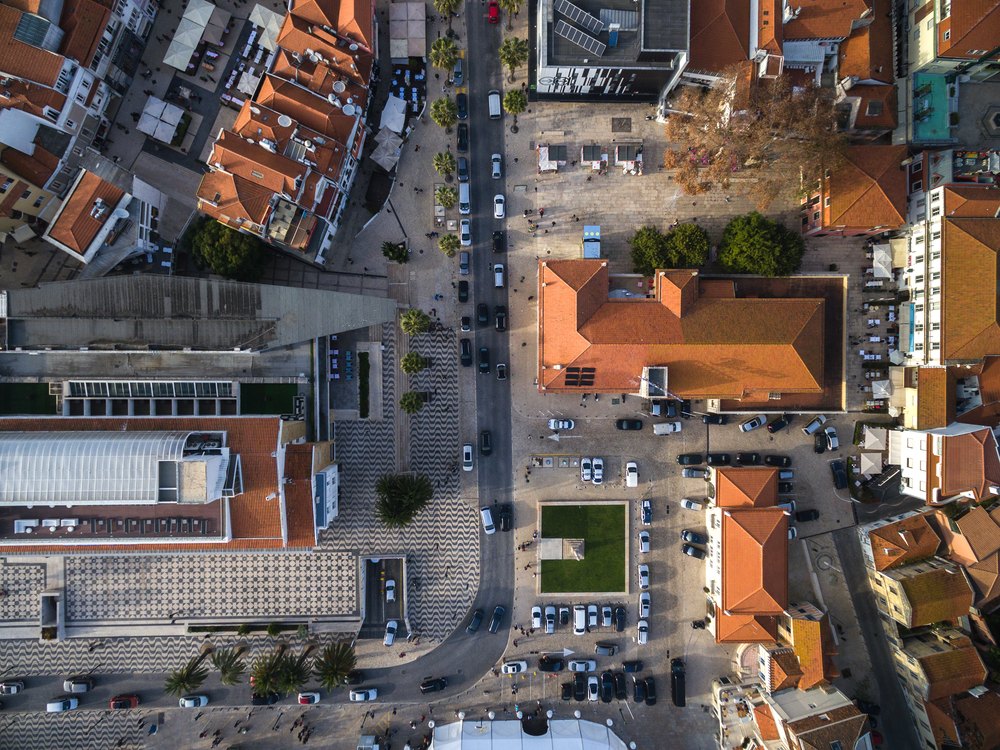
[748, 459]
[714, 419]
[463, 169]
[632, 666]
[500, 320]
[433, 686]
[506, 515]
[779, 424]
[689, 459]
[629, 424]
[466, 323]
[567, 691]
[579, 686]
[619, 618]
[607, 687]
[564, 615]
[650, 691]
[693, 536]
[806, 515]
[463, 106]
[696, 552]
[819, 446]
[482, 314]
[839, 475]
[785, 488]
[466, 352]
[477, 617]
[621, 692]
[355, 677]
[872, 709]
[498, 242]
[497, 618]
[782, 462]
[677, 682]
[718, 459]
[550, 664]
[264, 700]
[485, 443]
[463, 138]
[639, 690]
[463, 291]
[484, 361]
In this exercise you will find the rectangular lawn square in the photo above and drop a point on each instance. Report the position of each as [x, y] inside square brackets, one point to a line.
[602, 527]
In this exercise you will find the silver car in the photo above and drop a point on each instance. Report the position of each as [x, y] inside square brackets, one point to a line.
[598, 471]
[496, 166]
[466, 232]
[643, 632]
[586, 470]
[561, 424]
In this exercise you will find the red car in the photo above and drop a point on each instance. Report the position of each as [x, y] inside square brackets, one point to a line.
[125, 701]
[494, 11]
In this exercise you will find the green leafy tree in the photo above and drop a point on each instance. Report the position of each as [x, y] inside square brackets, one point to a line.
[444, 112]
[293, 674]
[400, 497]
[444, 53]
[229, 665]
[224, 251]
[414, 322]
[446, 8]
[444, 164]
[243, 630]
[274, 629]
[334, 664]
[649, 250]
[411, 402]
[266, 670]
[513, 54]
[412, 363]
[510, 7]
[187, 679]
[446, 196]
[515, 102]
[449, 244]
[302, 631]
[395, 252]
[687, 246]
[755, 244]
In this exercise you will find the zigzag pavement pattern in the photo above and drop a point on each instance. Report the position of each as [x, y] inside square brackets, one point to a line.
[80, 730]
[443, 542]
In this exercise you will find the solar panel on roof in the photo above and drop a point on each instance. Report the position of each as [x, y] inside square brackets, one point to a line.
[579, 16]
[576, 36]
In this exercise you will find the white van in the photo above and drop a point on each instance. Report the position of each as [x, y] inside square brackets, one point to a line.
[488, 526]
[631, 474]
[494, 105]
[463, 199]
[579, 619]
[498, 275]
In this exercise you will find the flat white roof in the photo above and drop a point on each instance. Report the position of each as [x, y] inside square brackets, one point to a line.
[563, 734]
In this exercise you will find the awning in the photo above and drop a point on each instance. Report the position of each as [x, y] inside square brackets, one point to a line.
[871, 463]
[882, 262]
[248, 82]
[159, 119]
[213, 35]
[270, 24]
[544, 163]
[394, 114]
[874, 439]
[881, 389]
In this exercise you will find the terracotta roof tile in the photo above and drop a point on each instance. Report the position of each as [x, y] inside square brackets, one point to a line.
[842, 726]
[814, 648]
[770, 35]
[868, 190]
[877, 108]
[952, 672]
[84, 22]
[970, 462]
[256, 164]
[745, 628]
[903, 542]
[320, 77]
[720, 34]
[764, 720]
[825, 19]
[981, 531]
[75, 226]
[754, 561]
[941, 715]
[23, 60]
[813, 722]
[298, 35]
[37, 168]
[678, 290]
[974, 25]
[971, 202]
[785, 670]
[937, 595]
[228, 199]
[13, 195]
[985, 576]
[299, 496]
[979, 721]
[867, 52]
[969, 326]
[936, 397]
[262, 124]
[30, 97]
[307, 108]
[352, 19]
[751, 487]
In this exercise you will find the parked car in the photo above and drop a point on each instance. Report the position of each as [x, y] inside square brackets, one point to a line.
[586, 469]
[647, 512]
[695, 552]
[12, 687]
[355, 677]
[689, 459]
[631, 474]
[567, 691]
[485, 442]
[561, 424]
[536, 617]
[465, 234]
[463, 138]
[466, 353]
[606, 616]
[308, 699]
[831, 439]
[598, 471]
[564, 615]
[650, 691]
[632, 666]
[579, 620]
[550, 619]
[514, 667]
[666, 428]
[463, 168]
[500, 318]
[591, 615]
[501, 371]
[814, 424]
[463, 291]
[494, 11]
[785, 488]
[677, 682]
[629, 424]
[467, 454]
[620, 691]
[839, 475]
[605, 649]
[592, 689]
[582, 665]
[498, 242]
[124, 701]
[487, 515]
[607, 687]
[433, 686]
[693, 537]
[579, 686]
[643, 632]
[643, 577]
[718, 459]
[788, 505]
[363, 695]
[748, 459]
[461, 102]
[806, 515]
[477, 617]
[390, 633]
[714, 419]
[78, 685]
[619, 618]
[872, 709]
[484, 361]
[689, 504]
[551, 664]
[695, 473]
[792, 532]
[506, 515]
[753, 423]
[644, 605]
[495, 166]
[644, 542]
[188, 701]
[68, 703]
[499, 206]
[779, 461]
[638, 690]
[497, 618]
[264, 700]
[482, 314]
[779, 424]
[819, 446]
[390, 590]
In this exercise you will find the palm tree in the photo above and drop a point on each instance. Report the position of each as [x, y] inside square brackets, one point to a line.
[414, 322]
[515, 102]
[265, 671]
[334, 665]
[187, 679]
[411, 402]
[513, 54]
[395, 252]
[231, 667]
[446, 8]
[293, 674]
[444, 112]
[449, 244]
[401, 497]
[511, 7]
[412, 363]
[446, 196]
[444, 53]
[444, 164]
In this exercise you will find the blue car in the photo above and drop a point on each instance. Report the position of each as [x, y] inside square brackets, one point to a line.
[693, 537]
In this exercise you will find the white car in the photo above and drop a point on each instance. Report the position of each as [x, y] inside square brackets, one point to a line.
[550, 619]
[592, 687]
[644, 603]
[390, 590]
[592, 615]
[644, 541]
[466, 232]
[643, 577]
[586, 470]
[606, 616]
[579, 620]
[514, 667]
[561, 424]
[586, 665]
[631, 474]
[689, 504]
[467, 453]
[643, 632]
[193, 701]
[487, 516]
[536, 618]
[598, 471]
[368, 694]
[668, 427]
[496, 166]
[498, 207]
[753, 423]
[390, 633]
[831, 439]
[59, 705]
[308, 699]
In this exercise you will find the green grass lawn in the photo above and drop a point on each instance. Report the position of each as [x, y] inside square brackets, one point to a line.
[268, 398]
[603, 566]
[26, 398]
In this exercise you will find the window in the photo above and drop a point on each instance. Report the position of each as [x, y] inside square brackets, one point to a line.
[909, 463]
[935, 326]
[919, 309]
[56, 186]
[920, 239]
[85, 82]
[826, 202]
[947, 34]
[874, 109]
[39, 201]
[920, 259]
[936, 255]
[919, 279]
[918, 185]
[26, 195]
[936, 211]
[935, 346]
[81, 98]
[935, 235]
[256, 174]
[6, 184]
[935, 275]
[816, 216]
[70, 124]
[916, 34]
[936, 197]
[916, 166]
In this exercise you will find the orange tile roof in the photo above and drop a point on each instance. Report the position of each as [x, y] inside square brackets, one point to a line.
[74, 226]
[979, 721]
[751, 487]
[981, 531]
[941, 715]
[754, 561]
[985, 576]
[335, 65]
[22, 60]
[720, 34]
[970, 462]
[969, 325]
[716, 348]
[974, 25]
[952, 671]
[37, 168]
[868, 190]
[299, 496]
[937, 595]
[228, 199]
[257, 165]
[814, 648]
[262, 124]
[845, 725]
[745, 628]
[825, 19]
[307, 108]
[785, 670]
[14, 193]
[867, 52]
[352, 19]
[903, 542]
[971, 202]
[770, 35]
[935, 397]
[84, 22]
[298, 35]
[764, 720]
[30, 97]
[886, 116]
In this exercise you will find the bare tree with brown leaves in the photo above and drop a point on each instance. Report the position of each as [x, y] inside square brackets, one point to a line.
[762, 139]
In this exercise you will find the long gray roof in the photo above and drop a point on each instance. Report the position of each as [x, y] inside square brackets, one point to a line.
[143, 312]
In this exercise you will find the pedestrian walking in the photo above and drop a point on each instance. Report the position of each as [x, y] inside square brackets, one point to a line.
[416, 148]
